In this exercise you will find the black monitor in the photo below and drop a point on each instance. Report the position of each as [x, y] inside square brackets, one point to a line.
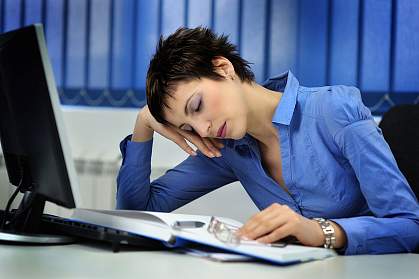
[32, 133]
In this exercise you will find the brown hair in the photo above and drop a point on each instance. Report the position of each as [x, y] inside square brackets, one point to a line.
[185, 55]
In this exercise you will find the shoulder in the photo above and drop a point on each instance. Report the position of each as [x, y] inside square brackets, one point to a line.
[340, 106]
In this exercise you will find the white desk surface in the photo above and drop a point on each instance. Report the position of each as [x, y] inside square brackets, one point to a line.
[98, 261]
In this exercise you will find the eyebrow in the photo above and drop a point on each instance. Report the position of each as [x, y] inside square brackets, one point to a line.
[186, 107]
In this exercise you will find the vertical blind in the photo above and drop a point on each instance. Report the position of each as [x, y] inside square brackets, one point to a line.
[100, 49]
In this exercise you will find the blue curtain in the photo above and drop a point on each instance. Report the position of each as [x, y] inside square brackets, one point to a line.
[100, 49]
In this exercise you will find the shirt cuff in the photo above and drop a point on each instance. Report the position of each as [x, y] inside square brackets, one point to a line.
[136, 153]
[355, 236]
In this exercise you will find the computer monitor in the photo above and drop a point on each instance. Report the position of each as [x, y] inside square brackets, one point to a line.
[35, 149]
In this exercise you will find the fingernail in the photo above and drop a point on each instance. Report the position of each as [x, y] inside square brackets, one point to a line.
[194, 153]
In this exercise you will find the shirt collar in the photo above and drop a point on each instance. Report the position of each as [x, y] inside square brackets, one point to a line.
[288, 84]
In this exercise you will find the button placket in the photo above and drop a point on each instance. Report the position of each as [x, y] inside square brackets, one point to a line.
[284, 135]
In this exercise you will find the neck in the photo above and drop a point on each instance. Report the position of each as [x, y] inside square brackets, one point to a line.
[261, 103]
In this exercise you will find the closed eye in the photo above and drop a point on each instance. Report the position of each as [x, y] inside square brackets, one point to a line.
[199, 106]
[195, 106]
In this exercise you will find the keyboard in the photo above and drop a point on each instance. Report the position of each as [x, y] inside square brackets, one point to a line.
[85, 232]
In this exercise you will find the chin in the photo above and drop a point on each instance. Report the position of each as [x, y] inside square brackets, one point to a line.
[236, 129]
[239, 135]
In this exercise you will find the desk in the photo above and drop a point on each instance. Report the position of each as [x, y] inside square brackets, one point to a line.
[97, 261]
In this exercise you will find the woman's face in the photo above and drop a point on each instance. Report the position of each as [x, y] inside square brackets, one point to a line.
[206, 105]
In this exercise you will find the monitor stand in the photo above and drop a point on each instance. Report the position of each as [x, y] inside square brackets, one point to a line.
[26, 227]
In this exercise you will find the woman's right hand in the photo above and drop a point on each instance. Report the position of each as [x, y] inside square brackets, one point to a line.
[146, 124]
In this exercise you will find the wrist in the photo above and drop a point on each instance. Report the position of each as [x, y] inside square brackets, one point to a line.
[142, 131]
[340, 235]
[329, 235]
[318, 233]
[144, 117]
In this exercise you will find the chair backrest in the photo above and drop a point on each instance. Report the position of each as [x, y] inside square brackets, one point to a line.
[400, 126]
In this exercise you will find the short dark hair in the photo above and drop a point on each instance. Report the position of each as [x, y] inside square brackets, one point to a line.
[185, 55]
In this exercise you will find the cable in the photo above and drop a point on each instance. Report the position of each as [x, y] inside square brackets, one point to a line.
[25, 205]
[9, 203]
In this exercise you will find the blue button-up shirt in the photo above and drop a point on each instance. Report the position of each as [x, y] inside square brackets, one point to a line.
[335, 164]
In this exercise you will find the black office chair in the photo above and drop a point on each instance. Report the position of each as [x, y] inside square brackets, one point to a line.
[400, 126]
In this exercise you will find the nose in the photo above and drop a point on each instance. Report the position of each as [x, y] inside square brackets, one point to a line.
[203, 128]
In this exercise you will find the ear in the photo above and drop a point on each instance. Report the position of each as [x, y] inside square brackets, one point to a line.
[223, 67]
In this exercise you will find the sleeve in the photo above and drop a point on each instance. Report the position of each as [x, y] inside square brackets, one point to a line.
[192, 178]
[394, 224]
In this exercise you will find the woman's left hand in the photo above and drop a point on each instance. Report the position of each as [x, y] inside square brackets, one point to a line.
[279, 221]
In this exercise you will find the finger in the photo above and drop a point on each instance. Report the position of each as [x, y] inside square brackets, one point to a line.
[251, 223]
[211, 146]
[266, 226]
[214, 143]
[198, 142]
[276, 235]
[267, 213]
[217, 143]
[201, 145]
[178, 136]
[186, 147]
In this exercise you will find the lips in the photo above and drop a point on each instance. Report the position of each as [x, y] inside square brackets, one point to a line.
[221, 131]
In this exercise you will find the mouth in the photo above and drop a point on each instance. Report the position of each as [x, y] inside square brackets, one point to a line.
[222, 130]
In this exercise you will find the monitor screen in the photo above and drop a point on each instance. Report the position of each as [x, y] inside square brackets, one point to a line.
[32, 133]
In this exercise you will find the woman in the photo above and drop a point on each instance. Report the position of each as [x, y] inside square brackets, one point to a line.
[312, 159]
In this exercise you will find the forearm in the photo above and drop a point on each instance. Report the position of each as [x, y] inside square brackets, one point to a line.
[142, 132]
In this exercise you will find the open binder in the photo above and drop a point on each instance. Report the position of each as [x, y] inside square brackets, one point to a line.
[167, 228]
